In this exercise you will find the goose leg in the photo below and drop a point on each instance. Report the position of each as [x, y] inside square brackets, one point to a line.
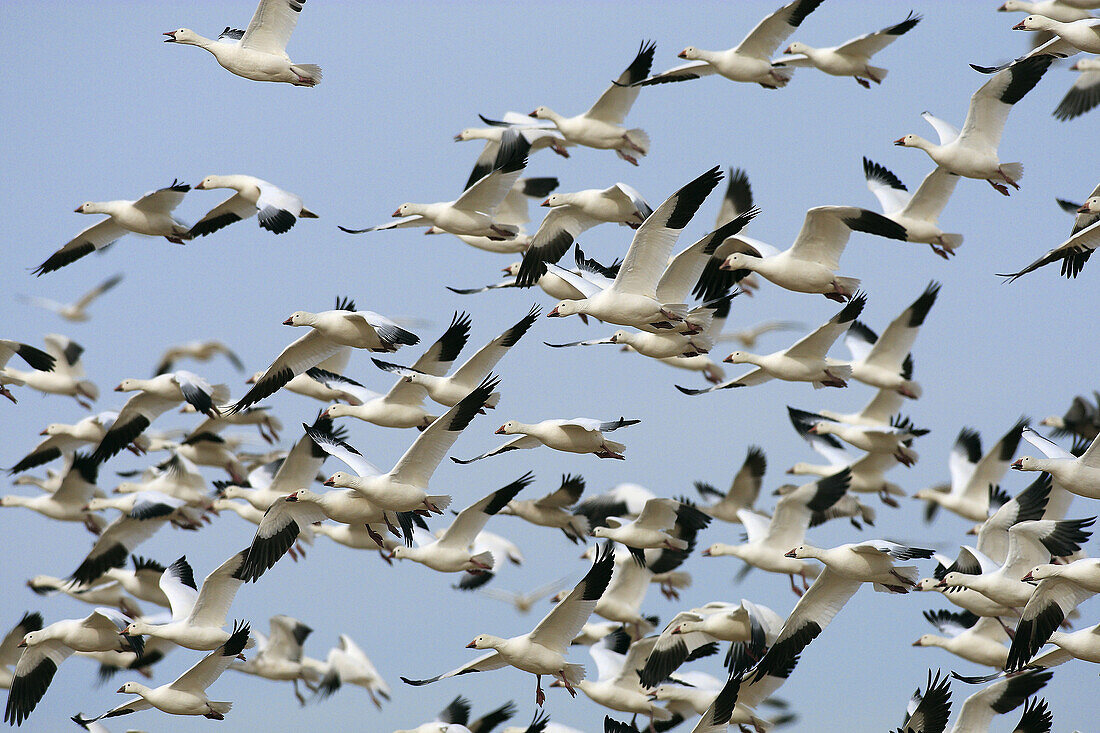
[999, 186]
[1008, 180]
[540, 696]
[863, 82]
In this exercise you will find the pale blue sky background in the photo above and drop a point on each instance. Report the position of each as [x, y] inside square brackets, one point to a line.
[99, 108]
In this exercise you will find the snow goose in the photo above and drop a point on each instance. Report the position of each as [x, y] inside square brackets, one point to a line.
[621, 603]
[977, 640]
[278, 656]
[617, 687]
[9, 646]
[451, 552]
[972, 152]
[572, 214]
[804, 361]
[810, 264]
[63, 440]
[1082, 419]
[259, 52]
[1060, 589]
[197, 350]
[654, 526]
[750, 60]
[1003, 696]
[155, 397]
[747, 337]
[767, 537]
[402, 406]
[118, 539]
[1074, 36]
[143, 582]
[578, 435]
[511, 212]
[65, 378]
[716, 621]
[918, 212]
[1079, 475]
[552, 510]
[1085, 92]
[523, 602]
[1055, 9]
[473, 212]
[456, 717]
[1075, 251]
[634, 296]
[868, 562]
[868, 472]
[276, 210]
[37, 359]
[186, 695]
[404, 487]
[150, 215]
[68, 503]
[1083, 644]
[885, 361]
[852, 58]
[972, 473]
[197, 615]
[743, 491]
[928, 712]
[601, 126]
[621, 500]
[77, 311]
[330, 331]
[895, 439]
[1029, 544]
[1030, 504]
[539, 135]
[46, 648]
[969, 560]
[348, 664]
[542, 651]
[449, 390]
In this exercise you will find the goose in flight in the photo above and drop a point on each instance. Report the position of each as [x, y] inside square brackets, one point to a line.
[258, 52]
[76, 312]
[1075, 251]
[150, 215]
[917, 212]
[275, 209]
[579, 435]
[63, 376]
[35, 358]
[601, 126]
[542, 650]
[851, 58]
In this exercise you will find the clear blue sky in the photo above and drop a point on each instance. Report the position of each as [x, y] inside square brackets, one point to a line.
[100, 108]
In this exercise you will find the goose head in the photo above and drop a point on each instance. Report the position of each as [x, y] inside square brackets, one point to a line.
[299, 318]
[566, 308]
[911, 141]
[739, 261]
[1034, 23]
[407, 209]
[739, 357]
[541, 112]
[1027, 463]
[471, 133]
[556, 199]
[801, 552]
[211, 182]
[183, 35]
[130, 688]
[88, 207]
[691, 53]
[484, 641]
[620, 337]
[926, 640]
[955, 580]
[719, 549]
[509, 428]
[512, 269]
[340, 479]
[1040, 572]
[1092, 206]
[129, 385]
[797, 47]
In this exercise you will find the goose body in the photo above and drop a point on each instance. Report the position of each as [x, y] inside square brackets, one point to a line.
[276, 209]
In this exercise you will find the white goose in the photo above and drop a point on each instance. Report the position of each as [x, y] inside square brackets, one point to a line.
[77, 311]
[65, 378]
[1085, 92]
[972, 151]
[601, 126]
[810, 264]
[448, 390]
[259, 52]
[451, 552]
[275, 209]
[1071, 37]
[330, 332]
[570, 215]
[804, 361]
[538, 134]
[199, 351]
[917, 212]
[552, 510]
[750, 60]
[10, 646]
[197, 615]
[743, 491]
[404, 487]
[851, 58]
[617, 687]
[35, 358]
[655, 526]
[769, 538]
[883, 363]
[473, 213]
[63, 439]
[542, 651]
[186, 695]
[69, 502]
[511, 212]
[894, 439]
[348, 664]
[977, 640]
[1060, 589]
[279, 655]
[150, 215]
[1079, 475]
[1075, 251]
[579, 435]
[640, 294]
[155, 397]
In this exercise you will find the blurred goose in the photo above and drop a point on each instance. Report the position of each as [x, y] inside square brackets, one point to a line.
[852, 58]
[750, 60]
[1003, 696]
[473, 212]
[539, 135]
[552, 510]
[917, 212]
[199, 351]
[579, 435]
[972, 152]
[150, 215]
[330, 331]
[69, 502]
[348, 664]
[743, 491]
[77, 311]
[448, 390]
[278, 656]
[277, 210]
[805, 361]
[542, 651]
[186, 695]
[617, 687]
[66, 377]
[259, 52]
[601, 126]
[10, 646]
[810, 264]
[1085, 92]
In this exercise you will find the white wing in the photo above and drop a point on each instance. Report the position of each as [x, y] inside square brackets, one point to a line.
[271, 26]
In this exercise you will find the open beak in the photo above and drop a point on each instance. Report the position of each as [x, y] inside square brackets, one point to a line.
[458, 138]
[789, 554]
[788, 50]
[1084, 209]
[506, 269]
[499, 431]
[471, 646]
[330, 482]
[900, 141]
[545, 203]
[396, 213]
[941, 584]
[728, 359]
[22, 645]
[1018, 464]
[121, 688]
[293, 497]
[916, 643]
[77, 209]
[706, 552]
[682, 54]
[1019, 26]
[1027, 578]
[199, 186]
[171, 37]
[532, 114]
[554, 313]
[288, 322]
